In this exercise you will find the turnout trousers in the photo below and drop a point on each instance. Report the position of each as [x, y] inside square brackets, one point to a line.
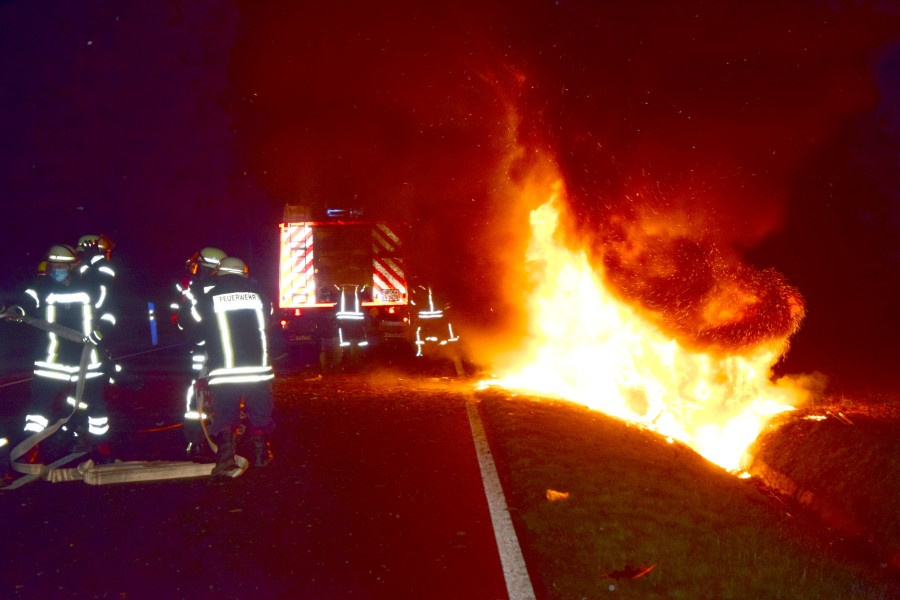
[258, 405]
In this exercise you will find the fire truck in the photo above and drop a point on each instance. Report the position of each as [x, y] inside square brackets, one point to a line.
[342, 281]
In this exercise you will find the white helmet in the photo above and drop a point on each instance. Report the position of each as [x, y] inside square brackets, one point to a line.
[60, 261]
[95, 244]
[87, 241]
[61, 253]
[232, 265]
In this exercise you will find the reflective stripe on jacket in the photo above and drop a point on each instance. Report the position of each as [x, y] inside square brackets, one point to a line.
[235, 317]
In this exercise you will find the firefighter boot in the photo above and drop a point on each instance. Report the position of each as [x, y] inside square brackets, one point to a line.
[226, 465]
[101, 451]
[262, 454]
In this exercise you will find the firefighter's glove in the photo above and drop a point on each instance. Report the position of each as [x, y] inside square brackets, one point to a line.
[94, 337]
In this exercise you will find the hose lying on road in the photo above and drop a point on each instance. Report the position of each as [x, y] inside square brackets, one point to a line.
[118, 472]
[33, 471]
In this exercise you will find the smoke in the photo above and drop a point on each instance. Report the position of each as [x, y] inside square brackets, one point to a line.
[694, 286]
[677, 127]
[389, 108]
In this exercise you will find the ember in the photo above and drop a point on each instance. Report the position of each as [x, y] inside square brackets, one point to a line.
[663, 333]
[686, 284]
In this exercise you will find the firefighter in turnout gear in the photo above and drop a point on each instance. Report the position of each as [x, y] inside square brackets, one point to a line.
[62, 299]
[351, 322]
[433, 328]
[95, 256]
[198, 277]
[234, 319]
[95, 269]
[95, 261]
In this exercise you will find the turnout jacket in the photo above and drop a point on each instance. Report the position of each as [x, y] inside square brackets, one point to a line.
[79, 305]
[234, 323]
[186, 316]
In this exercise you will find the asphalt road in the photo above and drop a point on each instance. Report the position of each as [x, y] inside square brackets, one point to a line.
[375, 492]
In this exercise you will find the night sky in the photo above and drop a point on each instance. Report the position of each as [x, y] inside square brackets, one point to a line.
[764, 135]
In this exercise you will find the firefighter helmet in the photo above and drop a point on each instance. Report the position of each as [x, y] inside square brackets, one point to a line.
[232, 265]
[87, 241]
[95, 244]
[62, 254]
[208, 257]
[61, 259]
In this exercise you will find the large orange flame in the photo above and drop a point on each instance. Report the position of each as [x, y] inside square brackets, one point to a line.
[588, 346]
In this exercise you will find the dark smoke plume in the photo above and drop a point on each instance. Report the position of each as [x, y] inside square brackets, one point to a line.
[677, 127]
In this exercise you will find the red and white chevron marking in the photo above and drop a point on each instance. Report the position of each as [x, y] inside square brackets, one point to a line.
[388, 273]
[297, 274]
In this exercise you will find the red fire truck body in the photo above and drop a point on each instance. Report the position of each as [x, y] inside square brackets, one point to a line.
[342, 279]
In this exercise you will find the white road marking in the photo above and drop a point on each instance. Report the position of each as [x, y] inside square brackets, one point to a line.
[518, 584]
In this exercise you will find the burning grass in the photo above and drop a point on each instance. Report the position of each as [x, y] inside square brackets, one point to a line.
[612, 356]
[635, 501]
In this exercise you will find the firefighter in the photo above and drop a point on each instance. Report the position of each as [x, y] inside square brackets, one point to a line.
[432, 326]
[234, 318]
[198, 272]
[198, 275]
[95, 262]
[95, 258]
[351, 322]
[63, 299]
[95, 269]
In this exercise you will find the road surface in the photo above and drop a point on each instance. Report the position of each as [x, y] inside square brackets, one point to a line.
[375, 492]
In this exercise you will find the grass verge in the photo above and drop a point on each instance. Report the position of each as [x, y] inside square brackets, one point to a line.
[596, 501]
[840, 457]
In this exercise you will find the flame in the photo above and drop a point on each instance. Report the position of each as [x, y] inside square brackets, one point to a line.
[588, 346]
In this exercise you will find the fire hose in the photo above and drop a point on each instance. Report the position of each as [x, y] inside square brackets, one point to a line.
[34, 471]
[87, 471]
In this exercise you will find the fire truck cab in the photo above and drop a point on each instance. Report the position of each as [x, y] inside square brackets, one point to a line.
[342, 281]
